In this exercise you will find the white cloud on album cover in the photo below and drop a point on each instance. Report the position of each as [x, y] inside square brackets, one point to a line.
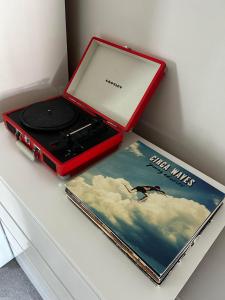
[134, 148]
[173, 217]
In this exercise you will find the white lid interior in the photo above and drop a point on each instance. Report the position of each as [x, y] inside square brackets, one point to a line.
[104, 65]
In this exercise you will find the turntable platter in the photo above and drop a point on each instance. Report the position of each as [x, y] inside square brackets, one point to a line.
[49, 115]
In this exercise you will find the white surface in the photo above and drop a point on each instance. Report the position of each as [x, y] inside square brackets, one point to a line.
[102, 62]
[27, 230]
[33, 52]
[208, 280]
[34, 266]
[108, 271]
[186, 116]
[5, 252]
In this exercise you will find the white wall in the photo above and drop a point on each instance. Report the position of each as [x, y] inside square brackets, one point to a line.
[186, 116]
[33, 51]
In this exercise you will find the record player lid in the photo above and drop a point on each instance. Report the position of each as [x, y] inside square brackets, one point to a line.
[115, 82]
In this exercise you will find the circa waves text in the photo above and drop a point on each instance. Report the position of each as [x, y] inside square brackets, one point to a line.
[164, 165]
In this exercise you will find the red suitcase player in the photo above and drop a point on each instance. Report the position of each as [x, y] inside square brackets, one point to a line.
[104, 99]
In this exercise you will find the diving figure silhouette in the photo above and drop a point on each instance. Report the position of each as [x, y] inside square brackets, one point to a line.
[145, 189]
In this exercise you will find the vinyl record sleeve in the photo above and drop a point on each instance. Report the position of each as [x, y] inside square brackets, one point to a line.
[150, 207]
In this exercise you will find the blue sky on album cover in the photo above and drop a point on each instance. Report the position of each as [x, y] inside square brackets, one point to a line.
[159, 227]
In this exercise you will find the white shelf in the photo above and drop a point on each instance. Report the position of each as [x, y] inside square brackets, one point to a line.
[42, 211]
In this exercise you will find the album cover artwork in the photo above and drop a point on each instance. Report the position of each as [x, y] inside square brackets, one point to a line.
[151, 207]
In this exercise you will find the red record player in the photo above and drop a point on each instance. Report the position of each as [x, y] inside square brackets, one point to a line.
[104, 99]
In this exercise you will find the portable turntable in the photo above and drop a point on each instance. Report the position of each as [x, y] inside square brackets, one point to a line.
[105, 97]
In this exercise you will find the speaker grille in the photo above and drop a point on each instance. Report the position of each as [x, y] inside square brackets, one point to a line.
[50, 163]
[11, 128]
